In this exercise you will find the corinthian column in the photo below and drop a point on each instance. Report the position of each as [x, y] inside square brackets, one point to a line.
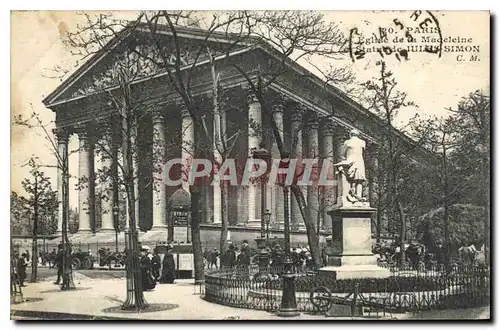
[62, 162]
[313, 193]
[296, 152]
[328, 151]
[85, 157]
[159, 194]
[254, 138]
[107, 218]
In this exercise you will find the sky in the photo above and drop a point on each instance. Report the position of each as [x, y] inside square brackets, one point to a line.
[433, 83]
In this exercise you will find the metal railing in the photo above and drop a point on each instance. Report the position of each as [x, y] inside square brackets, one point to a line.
[403, 291]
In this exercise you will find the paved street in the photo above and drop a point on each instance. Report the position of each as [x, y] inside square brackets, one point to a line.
[95, 295]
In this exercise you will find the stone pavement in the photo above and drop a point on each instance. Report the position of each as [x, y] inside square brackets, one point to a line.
[94, 296]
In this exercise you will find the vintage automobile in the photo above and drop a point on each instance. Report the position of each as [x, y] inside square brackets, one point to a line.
[108, 258]
[82, 260]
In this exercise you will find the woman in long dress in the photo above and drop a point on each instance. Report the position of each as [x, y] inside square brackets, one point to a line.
[168, 267]
[148, 282]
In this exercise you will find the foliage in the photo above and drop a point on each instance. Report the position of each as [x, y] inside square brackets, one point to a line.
[40, 195]
[19, 220]
[466, 224]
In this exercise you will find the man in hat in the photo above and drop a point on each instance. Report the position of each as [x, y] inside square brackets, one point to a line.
[22, 263]
[230, 257]
[156, 265]
[245, 254]
[59, 264]
[440, 254]
[168, 271]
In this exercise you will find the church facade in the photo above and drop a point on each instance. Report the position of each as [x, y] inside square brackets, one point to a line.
[313, 119]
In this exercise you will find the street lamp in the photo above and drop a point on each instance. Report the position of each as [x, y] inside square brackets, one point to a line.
[117, 225]
[288, 300]
[267, 219]
[263, 154]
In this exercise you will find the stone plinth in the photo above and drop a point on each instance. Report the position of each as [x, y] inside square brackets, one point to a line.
[350, 255]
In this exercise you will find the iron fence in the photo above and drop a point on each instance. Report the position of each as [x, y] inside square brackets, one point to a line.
[403, 291]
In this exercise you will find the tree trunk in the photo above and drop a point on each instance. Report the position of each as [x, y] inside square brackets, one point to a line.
[402, 218]
[199, 274]
[224, 216]
[312, 237]
[34, 247]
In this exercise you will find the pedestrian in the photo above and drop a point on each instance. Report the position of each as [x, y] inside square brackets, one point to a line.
[156, 265]
[245, 254]
[148, 282]
[22, 263]
[440, 255]
[230, 257]
[52, 258]
[59, 264]
[27, 253]
[168, 271]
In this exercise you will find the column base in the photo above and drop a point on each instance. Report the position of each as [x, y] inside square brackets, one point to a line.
[84, 231]
[159, 228]
[254, 223]
[106, 230]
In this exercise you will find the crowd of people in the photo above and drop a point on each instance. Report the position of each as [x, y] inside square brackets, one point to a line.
[152, 266]
[245, 256]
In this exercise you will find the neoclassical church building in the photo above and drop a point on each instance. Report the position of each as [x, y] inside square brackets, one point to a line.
[317, 116]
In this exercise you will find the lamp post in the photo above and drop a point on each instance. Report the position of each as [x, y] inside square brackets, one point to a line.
[288, 306]
[117, 225]
[265, 155]
[267, 219]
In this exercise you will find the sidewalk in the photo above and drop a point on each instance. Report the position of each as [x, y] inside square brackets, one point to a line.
[94, 296]
[91, 303]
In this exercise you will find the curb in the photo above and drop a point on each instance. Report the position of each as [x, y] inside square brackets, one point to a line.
[36, 315]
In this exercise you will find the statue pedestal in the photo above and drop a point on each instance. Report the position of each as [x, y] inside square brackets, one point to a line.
[350, 255]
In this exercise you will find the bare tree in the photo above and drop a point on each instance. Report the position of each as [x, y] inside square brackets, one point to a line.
[302, 35]
[384, 99]
[35, 123]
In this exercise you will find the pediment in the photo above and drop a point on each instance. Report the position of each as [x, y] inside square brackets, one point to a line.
[135, 58]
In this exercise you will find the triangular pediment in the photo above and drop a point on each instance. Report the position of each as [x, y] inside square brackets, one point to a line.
[137, 56]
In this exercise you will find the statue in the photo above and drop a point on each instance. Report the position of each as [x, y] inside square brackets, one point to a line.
[352, 168]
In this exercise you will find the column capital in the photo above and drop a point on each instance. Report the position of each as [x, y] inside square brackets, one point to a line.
[157, 116]
[312, 120]
[278, 106]
[328, 127]
[82, 130]
[297, 112]
[252, 98]
[61, 133]
[341, 130]
[185, 113]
